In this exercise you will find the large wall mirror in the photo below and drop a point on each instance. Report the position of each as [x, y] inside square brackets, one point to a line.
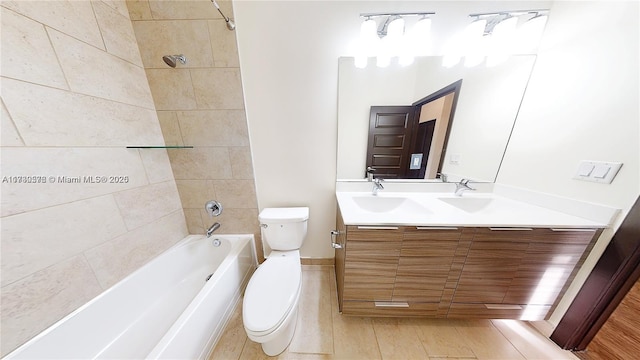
[479, 130]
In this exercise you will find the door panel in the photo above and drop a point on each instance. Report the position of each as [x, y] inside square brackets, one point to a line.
[389, 140]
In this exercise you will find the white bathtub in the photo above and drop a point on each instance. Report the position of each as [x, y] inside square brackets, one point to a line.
[167, 309]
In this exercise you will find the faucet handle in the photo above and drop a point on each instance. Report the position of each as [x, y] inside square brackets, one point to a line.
[370, 171]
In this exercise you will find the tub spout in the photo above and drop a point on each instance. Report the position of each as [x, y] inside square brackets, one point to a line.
[212, 228]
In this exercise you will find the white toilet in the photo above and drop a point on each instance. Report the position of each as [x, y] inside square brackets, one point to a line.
[270, 305]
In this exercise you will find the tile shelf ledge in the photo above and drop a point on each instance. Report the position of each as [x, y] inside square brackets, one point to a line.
[160, 147]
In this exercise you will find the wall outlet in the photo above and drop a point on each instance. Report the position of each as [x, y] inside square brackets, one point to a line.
[454, 159]
[597, 171]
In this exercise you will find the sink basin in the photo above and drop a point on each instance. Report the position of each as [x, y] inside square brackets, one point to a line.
[468, 204]
[381, 204]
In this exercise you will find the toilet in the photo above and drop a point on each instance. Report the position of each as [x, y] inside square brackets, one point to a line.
[270, 305]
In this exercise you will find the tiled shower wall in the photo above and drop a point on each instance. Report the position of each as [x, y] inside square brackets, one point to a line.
[74, 95]
[200, 104]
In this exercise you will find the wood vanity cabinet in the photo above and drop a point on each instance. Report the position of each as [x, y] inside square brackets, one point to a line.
[518, 273]
[512, 273]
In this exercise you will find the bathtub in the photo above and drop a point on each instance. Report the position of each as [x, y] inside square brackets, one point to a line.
[174, 307]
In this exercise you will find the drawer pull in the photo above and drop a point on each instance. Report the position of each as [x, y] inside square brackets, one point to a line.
[568, 229]
[509, 229]
[502, 307]
[377, 228]
[436, 228]
[392, 304]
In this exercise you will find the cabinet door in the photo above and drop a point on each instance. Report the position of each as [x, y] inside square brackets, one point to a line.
[550, 261]
[371, 261]
[425, 264]
[491, 264]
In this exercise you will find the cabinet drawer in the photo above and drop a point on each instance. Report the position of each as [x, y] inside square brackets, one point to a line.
[498, 311]
[369, 308]
[368, 289]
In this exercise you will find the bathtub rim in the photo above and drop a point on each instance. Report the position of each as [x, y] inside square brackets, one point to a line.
[182, 242]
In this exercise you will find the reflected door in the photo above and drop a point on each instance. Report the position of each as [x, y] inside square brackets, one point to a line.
[389, 140]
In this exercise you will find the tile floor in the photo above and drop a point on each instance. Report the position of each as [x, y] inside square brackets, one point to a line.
[322, 333]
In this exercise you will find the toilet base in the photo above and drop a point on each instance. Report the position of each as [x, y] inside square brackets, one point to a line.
[280, 343]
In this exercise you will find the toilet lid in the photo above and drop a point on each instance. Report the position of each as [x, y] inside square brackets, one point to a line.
[271, 293]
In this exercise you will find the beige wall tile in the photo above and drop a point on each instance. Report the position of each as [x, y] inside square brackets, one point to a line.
[241, 163]
[31, 57]
[194, 221]
[189, 9]
[71, 17]
[218, 88]
[170, 128]
[144, 205]
[234, 221]
[113, 260]
[94, 72]
[61, 232]
[36, 302]
[224, 45]
[172, 89]
[157, 165]
[88, 121]
[139, 9]
[214, 127]
[189, 38]
[117, 32]
[10, 136]
[65, 162]
[200, 163]
[195, 193]
[236, 193]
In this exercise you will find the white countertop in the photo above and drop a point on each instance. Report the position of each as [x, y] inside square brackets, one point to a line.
[472, 209]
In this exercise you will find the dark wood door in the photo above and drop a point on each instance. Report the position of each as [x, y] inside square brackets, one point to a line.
[389, 140]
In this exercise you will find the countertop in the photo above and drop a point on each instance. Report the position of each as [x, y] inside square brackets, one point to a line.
[475, 209]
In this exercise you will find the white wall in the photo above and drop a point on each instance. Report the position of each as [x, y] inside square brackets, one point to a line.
[581, 104]
[289, 54]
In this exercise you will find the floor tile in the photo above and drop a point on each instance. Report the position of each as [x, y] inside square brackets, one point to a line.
[529, 342]
[323, 333]
[398, 339]
[441, 338]
[314, 331]
[486, 341]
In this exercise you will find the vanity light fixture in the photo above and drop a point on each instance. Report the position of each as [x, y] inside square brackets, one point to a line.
[387, 35]
[495, 36]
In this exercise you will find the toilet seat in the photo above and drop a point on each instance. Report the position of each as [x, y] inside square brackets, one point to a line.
[272, 292]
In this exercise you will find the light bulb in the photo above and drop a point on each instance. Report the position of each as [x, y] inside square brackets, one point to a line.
[368, 29]
[501, 42]
[420, 40]
[395, 29]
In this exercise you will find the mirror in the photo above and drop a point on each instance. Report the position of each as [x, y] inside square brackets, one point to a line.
[486, 109]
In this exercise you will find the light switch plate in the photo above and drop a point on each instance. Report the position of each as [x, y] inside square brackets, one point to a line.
[597, 171]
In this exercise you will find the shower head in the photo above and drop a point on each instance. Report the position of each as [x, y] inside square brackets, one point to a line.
[230, 24]
[171, 59]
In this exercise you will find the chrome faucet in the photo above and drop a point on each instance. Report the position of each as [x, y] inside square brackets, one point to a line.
[462, 186]
[212, 228]
[377, 186]
[443, 177]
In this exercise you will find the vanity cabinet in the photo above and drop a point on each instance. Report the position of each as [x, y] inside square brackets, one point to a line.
[456, 272]
[517, 272]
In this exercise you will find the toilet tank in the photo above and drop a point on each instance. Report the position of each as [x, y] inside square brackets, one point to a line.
[284, 228]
